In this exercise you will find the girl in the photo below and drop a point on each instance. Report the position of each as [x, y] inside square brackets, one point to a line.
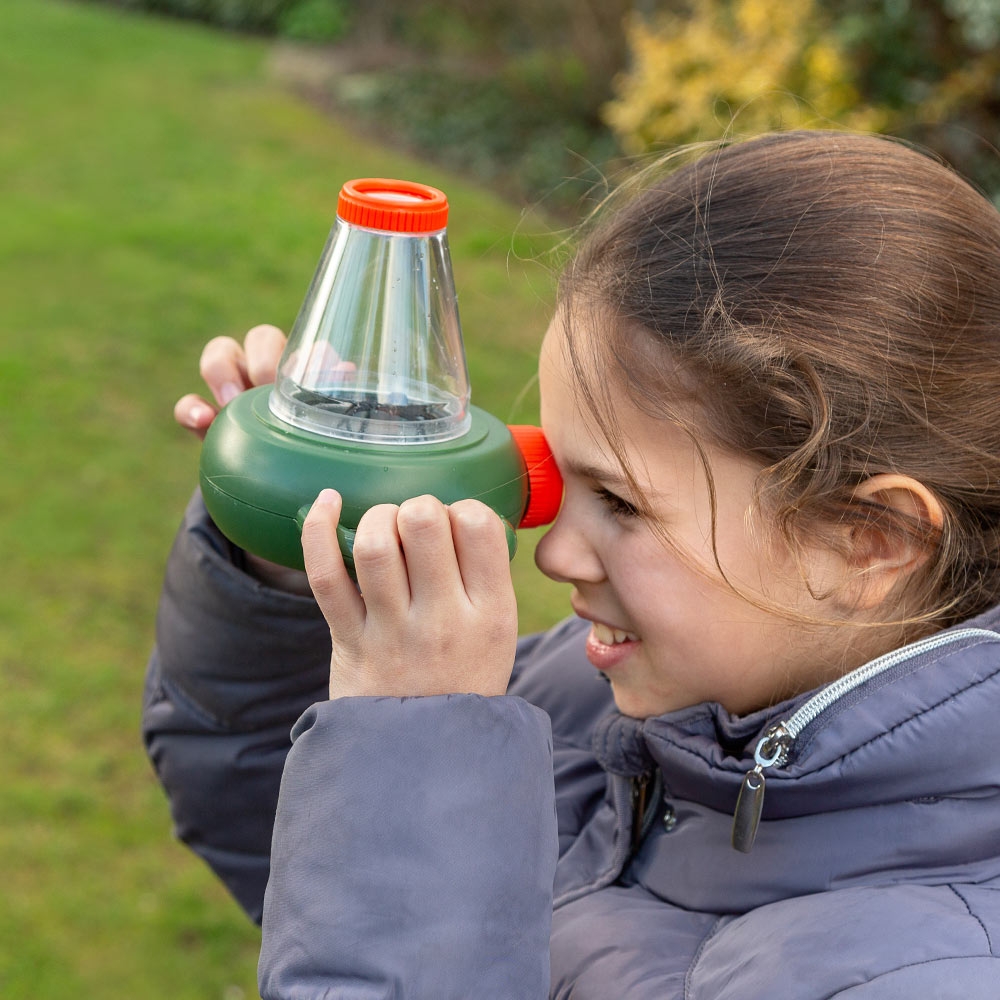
[771, 388]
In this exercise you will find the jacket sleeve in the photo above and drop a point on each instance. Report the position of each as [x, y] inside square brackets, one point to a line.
[234, 665]
[414, 852]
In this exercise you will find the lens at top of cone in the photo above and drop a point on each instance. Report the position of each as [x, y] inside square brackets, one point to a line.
[376, 354]
[393, 206]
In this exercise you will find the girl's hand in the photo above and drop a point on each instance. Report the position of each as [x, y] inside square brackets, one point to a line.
[229, 368]
[436, 612]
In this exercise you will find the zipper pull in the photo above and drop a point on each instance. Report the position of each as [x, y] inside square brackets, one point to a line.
[772, 749]
[749, 804]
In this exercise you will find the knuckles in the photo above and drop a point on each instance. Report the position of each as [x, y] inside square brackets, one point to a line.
[476, 524]
[423, 513]
[374, 549]
[474, 515]
[375, 541]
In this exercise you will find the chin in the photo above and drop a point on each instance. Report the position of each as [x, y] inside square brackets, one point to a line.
[630, 704]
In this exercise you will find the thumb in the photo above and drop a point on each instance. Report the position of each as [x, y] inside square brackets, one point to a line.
[334, 590]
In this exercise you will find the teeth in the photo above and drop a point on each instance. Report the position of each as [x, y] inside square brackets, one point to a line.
[611, 636]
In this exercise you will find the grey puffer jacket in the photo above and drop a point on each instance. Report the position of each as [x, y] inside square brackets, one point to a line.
[422, 849]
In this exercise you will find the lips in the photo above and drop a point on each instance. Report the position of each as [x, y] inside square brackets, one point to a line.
[607, 647]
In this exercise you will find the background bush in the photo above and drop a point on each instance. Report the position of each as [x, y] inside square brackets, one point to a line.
[542, 96]
[927, 70]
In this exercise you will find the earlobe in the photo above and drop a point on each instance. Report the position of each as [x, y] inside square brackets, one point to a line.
[896, 538]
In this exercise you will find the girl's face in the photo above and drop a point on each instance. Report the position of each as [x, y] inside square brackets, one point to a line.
[668, 631]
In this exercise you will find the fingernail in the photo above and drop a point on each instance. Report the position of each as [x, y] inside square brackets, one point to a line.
[328, 498]
[198, 415]
[228, 392]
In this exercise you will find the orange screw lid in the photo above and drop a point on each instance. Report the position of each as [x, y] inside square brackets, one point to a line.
[545, 485]
[393, 206]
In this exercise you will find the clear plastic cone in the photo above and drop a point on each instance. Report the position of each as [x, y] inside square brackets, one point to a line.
[376, 354]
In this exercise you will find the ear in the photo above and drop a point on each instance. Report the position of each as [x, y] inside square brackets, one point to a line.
[882, 559]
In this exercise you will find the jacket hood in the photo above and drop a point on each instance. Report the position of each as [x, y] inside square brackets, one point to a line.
[896, 781]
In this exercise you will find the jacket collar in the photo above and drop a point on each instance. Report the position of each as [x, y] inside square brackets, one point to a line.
[900, 782]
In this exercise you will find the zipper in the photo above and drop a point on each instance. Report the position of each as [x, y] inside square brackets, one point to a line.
[775, 746]
[627, 794]
[646, 790]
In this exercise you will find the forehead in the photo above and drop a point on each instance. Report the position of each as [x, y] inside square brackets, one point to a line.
[569, 375]
[609, 370]
[593, 425]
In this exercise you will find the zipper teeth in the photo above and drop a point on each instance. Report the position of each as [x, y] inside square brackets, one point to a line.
[825, 698]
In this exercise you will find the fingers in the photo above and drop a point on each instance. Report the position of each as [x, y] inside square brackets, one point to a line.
[379, 563]
[229, 367]
[484, 562]
[424, 550]
[194, 414]
[438, 613]
[263, 346]
[425, 536]
[223, 366]
[320, 365]
[481, 550]
[333, 589]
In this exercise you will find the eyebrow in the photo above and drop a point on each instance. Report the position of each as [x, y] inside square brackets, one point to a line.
[586, 471]
[614, 480]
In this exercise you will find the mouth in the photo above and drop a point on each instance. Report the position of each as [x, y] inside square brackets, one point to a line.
[607, 647]
[608, 636]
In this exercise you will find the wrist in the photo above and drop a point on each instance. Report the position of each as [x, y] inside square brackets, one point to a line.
[276, 576]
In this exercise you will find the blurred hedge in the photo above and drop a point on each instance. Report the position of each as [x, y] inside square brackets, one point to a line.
[927, 70]
[307, 20]
[527, 93]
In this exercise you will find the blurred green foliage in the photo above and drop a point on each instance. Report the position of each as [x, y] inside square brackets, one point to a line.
[543, 96]
[315, 20]
[510, 93]
[519, 130]
[245, 15]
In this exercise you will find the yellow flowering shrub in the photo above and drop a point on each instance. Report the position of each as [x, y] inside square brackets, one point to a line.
[752, 65]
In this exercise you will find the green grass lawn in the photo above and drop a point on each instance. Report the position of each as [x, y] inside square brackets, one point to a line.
[156, 188]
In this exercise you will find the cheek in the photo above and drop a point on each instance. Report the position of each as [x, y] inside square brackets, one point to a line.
[741, 554]
[668, 594]
[651, 580]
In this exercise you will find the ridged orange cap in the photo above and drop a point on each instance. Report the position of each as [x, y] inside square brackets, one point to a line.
[393, 206]
[545, 485]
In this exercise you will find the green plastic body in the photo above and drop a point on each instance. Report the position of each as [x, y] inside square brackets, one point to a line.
[259, 476]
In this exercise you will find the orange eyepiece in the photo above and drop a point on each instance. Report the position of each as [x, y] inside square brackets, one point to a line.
[545, 485]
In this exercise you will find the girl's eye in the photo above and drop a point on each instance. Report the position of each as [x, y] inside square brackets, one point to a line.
[615, 505]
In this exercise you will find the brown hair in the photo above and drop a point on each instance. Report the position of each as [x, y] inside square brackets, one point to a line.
[831, 302]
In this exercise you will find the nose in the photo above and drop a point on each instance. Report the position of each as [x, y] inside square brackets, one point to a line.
[566, 552]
